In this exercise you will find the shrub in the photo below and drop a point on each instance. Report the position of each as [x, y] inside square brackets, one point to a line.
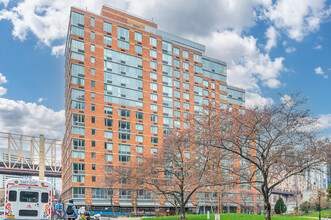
[280, 206]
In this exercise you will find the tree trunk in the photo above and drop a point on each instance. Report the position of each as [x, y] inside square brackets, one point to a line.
[182, 211]
[267, 210]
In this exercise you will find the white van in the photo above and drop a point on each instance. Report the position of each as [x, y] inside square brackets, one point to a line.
[28, 199]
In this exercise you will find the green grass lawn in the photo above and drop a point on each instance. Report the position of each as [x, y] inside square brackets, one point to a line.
[322, 213]
[229, 217]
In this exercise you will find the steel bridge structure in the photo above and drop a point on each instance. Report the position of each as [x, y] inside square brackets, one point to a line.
[30, 156]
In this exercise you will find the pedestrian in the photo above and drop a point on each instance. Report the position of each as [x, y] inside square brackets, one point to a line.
[70, 212]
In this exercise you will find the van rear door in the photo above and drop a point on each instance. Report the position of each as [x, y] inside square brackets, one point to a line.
[29, 204]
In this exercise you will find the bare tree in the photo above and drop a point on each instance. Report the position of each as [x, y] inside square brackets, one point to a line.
[272, 143]
[182, 166]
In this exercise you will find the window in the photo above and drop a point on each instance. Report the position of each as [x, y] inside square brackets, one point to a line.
[78, 119]
[198, 79]
[93, 155]
[108, 122]
[107, 27]
[166, 47]
[78, 154]
[108, 110]
[154, 129]
[176, 73]
[92, 22]
[26, 196]
[77, 19]
[186, 86]
[153, 86]
[197, 58]
[139, 115]
[92, 95]
[78, 192]
[107, 40]
[176, 83]
[177, 123]
[92, 83]
[93, 167]
[123, 33]
[123, 45]
[108, 134]
[153, 64]
[177, 104]
[176, 51]
[154, 108]
[177, 114]
[44, 197]
[124, 113]
[92, 59]
[186, 76]
[139, 138]
[138, 49]
[92, 48]
[79, 131]
[77, 70]
[177, 93]
[92, 119]
[77, 56]
[167, 59]
[124, 126]
[213, 85]
[93, 132]
[185, 65]
[94, 179]
[108, 146]
[78, 144]
[154, 140]
[92, 35]
[78, 168]
[185, 54]
[197, 69]
[153, 75]
[205, 92]
[152, 41]
[153, 118]
[153, 53]
[186, 95]
[124, 152]
[108, 157]
[124, 136]
[77, 31]
[139, 127]
[205, 83]
[176, 63]
[92, 72]
[93, 143]
[154, 150]
[12, 196]
[138, 36]
[186, 105]
[78, 81]
[154, 97]
[139, 149]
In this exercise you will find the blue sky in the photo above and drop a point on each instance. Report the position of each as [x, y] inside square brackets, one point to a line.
[271, 47]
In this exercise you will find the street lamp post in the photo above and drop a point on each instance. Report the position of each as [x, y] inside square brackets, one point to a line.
[319, 205]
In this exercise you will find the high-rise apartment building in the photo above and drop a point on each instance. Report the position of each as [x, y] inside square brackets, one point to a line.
[127, 84]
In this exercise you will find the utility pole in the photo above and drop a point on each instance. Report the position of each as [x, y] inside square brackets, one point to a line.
[319, 205]
[42, 157]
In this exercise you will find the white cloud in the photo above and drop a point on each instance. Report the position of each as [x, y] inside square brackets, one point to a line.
[58, 50]
[5, 2]
[319, 71]
[254, 100]
[247, 65]
[287, 101]
[271, 35]
[318, 47]
[290, 49]
[324, 121]
[40, 100]
[3, 80]
[298, 17]
[30, 119]
[3, 91]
